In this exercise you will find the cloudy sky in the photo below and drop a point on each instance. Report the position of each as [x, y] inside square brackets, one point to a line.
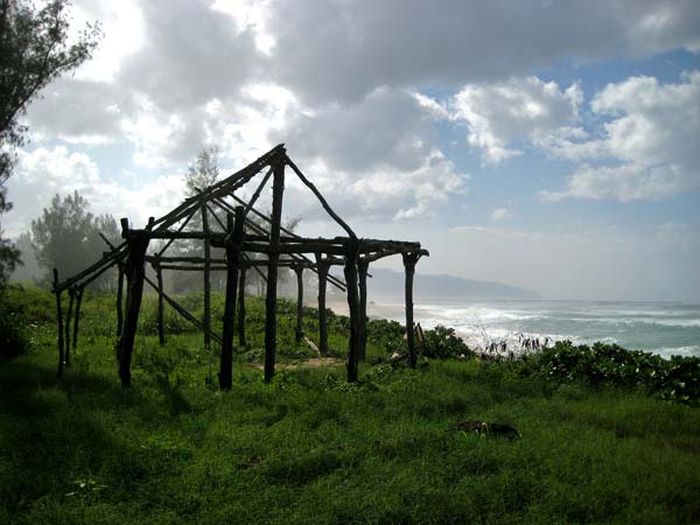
[548, 144]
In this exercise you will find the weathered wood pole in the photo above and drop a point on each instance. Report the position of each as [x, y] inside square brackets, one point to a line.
[350, 271]
[206, 320]
[69, 315]
[78, 303]
[322, 266]
[120, 299]
[59, 321]
[409, 262]
[241, 307]
[362, 267]
[299, 332]
[233, 251]
[137, 241]
[161, 327]
[273, 259]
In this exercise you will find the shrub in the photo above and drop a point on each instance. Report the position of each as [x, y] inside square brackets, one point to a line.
[20, 308]
[676, 379]
[442, 342]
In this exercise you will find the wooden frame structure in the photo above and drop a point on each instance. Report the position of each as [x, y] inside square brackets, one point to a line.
[239, 235]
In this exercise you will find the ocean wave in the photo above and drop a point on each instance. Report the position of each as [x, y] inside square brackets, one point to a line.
[690, 350]
[678, 323]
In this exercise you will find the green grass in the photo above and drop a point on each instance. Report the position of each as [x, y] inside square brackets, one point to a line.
[309, 448]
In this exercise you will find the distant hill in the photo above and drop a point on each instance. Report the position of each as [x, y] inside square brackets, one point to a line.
[390, 284]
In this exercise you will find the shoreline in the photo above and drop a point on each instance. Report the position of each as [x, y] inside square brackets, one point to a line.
[524, 333]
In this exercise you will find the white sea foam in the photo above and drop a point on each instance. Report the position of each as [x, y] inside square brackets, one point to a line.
[690, 350]
[664, 331]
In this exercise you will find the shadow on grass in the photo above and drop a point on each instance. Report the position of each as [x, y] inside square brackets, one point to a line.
[61, 438]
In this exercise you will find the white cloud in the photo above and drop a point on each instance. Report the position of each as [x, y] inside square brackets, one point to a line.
[43, 172]
[625, 183]
[340, 51]
[648, 138]
[123, 33]
[501, 214]
[521, 110]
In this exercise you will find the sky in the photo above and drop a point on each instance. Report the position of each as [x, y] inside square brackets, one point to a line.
[552, 145]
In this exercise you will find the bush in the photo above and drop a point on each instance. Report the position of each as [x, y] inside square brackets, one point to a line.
[20, 308]
[676, 379]
[387, 335]
[443, 343]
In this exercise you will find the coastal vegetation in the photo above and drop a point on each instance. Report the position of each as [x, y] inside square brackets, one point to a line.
[606, 434]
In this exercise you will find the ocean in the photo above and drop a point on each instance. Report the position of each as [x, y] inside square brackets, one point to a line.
[663, 328]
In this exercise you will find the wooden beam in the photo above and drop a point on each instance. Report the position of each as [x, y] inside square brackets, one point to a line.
[299, 332]
[206, 319]
[79, 301]
[159, 280]
[241, 307]
[350, 271]
[320, 197]
[409, 262]
[335, 282]
[182, 311]
[120, 300]
[255, 195]
[59, 322]
[135, 273]
[69, 315]
[179, 229]
[362, 267]
[322, 270]
[233, 253]
[273, 257]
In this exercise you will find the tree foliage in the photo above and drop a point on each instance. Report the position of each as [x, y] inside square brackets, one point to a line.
[34, 50]
[66, 236]
[204, 171]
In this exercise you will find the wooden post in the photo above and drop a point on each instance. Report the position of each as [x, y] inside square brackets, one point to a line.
[362, 267]
[79, 301]
[69, 315]
[59, 321]
[135, 272]
[273, 258]
[206, 321]
[299, 332]
[354, 308]
[159, 280]
[409, 262]
[120, 299]
[322, 266]
[241, 307]
[233, 252]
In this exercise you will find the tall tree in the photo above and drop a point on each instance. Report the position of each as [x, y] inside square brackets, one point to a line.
[201, 173]
[33, 51]
[66, 236]
[204, 171]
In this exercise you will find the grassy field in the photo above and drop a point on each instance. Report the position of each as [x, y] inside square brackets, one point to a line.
[310, 448]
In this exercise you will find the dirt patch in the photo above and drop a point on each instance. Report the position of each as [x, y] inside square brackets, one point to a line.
[314, 362]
